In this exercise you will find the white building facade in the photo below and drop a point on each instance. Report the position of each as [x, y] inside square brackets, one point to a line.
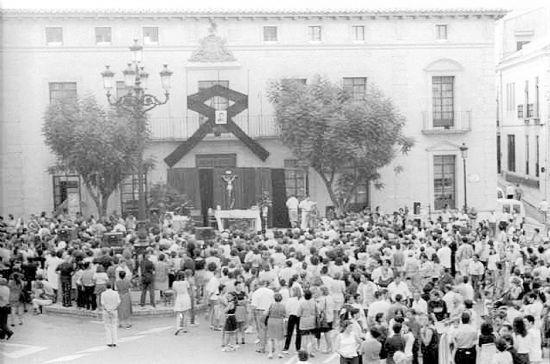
[437, 66]
[523, 83]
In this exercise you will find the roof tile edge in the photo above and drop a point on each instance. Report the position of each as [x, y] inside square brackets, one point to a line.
[497, 12]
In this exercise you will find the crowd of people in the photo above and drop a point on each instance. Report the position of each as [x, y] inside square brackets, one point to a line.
[368, 286]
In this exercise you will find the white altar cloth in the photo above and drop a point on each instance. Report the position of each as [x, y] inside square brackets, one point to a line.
[238, 214]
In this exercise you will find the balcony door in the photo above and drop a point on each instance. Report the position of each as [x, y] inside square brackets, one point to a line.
[444, 181]
[443, 101]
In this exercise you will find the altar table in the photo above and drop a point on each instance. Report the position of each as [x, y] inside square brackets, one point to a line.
[221, 215]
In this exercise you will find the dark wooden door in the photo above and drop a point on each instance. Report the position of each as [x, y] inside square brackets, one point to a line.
[206, 192]
[279, 210]
[185, 181]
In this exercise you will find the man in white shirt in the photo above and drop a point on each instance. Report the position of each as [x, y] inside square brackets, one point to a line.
[476, 270]
[306, 205]
[109, 302]
[367, 290]
[381, 305]
[419, 304]
[292, 205]
[444, 255]
[261, 300]
[465, 289]
[287, 272]
[399, 287]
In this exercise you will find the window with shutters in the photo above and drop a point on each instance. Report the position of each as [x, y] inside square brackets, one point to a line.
[444, 181]
[54, 36]
[360, 197]
[520, 111]
[358, 33]
[356, 87]
[103, 35]
[441, 31]
[315, 33]
[63, 186]
[295, 178]
[443, 101]
[151, 35]
[511, 153]
[271, 34]
[530, 110]
[60, 91]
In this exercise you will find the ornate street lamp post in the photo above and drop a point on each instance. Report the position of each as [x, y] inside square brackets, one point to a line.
[137, 102]
[464, 153]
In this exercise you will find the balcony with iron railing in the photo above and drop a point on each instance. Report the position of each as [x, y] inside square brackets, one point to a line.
[457, 122]
[182, 128]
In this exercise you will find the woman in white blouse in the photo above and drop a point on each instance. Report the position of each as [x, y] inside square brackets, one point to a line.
[347, 344]
[521, 341]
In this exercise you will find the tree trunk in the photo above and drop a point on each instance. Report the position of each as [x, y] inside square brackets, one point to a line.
[95, 196]
[104, 205]
[332, 195]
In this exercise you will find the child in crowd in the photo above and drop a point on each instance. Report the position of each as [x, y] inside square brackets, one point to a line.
[503, 355]
[230, 325]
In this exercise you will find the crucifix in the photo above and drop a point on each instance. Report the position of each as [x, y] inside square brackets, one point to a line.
[228, 178]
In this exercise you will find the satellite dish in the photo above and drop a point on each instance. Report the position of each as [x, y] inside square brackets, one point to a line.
[473, 178]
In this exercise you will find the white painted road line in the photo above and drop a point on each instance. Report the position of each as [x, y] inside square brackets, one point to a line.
[292, 360]
[130, 338]
[155, 330]
[93, 349]
[26, 350]
[330, 358]
[66, 358]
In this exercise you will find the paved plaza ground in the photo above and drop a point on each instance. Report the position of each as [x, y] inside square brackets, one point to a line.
[49, 339]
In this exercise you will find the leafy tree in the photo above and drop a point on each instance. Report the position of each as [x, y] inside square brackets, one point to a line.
[345, 140]
[101, 146]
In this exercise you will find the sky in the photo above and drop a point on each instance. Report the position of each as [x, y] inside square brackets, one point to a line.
[273, 5]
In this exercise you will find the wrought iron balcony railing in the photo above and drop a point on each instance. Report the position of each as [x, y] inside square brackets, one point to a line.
[457, 122]
[182, 128]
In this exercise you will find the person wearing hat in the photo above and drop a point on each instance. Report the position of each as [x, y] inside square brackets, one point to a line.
[5, 332]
